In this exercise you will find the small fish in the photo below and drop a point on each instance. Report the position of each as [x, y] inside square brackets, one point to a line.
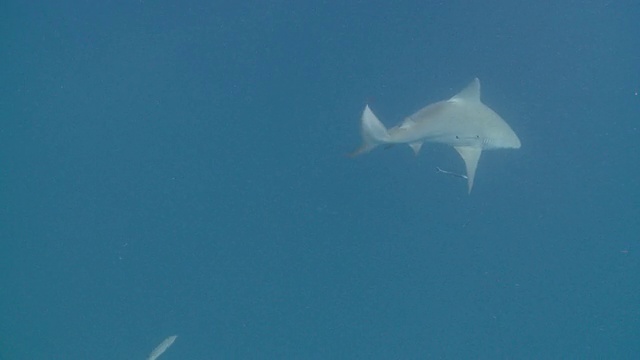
[451, 173]
[164, 345]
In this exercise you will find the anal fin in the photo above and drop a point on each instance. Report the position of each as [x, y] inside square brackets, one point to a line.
[416, 146]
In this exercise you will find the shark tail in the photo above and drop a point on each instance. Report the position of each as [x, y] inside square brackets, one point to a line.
[373, 133]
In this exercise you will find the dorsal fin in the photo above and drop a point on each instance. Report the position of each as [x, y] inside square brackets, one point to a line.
[470, 93]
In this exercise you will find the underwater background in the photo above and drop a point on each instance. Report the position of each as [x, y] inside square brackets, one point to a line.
[179, 167]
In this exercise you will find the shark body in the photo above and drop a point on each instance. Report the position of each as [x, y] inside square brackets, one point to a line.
[463, 122]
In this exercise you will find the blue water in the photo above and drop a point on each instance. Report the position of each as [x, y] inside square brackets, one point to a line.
[179, 168]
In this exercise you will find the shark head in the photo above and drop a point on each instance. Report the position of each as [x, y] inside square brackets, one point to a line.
[463, 122]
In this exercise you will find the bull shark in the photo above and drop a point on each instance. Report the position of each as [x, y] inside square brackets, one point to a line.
[462, 121]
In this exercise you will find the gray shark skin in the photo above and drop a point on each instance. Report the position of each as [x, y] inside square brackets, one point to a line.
[463, 122]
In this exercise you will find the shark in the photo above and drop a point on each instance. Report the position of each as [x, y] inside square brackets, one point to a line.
[463, 122]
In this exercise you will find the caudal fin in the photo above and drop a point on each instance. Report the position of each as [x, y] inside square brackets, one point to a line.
[373, 132]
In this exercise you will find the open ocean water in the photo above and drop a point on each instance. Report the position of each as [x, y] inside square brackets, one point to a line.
[178, 167]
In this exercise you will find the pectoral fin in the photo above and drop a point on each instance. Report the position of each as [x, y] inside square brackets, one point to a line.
[470, 155]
